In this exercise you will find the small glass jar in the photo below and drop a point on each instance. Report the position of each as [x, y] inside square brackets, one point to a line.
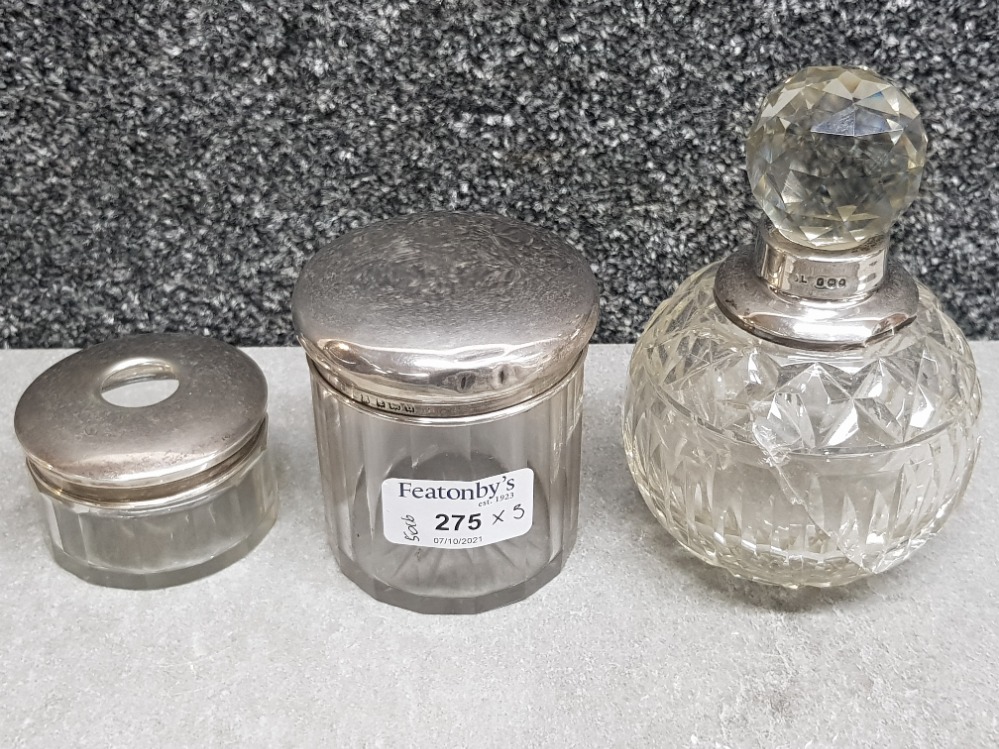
[147, 487]
[446, 352]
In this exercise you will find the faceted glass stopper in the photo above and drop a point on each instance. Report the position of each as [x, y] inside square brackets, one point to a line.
[835, 156]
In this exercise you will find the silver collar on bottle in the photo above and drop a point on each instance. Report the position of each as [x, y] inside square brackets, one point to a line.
[818, 299]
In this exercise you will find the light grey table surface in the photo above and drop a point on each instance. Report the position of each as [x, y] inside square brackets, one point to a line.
[634, 644]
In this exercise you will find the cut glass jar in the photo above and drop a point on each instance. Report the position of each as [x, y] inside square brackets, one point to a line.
[140, 494]
[446, 352]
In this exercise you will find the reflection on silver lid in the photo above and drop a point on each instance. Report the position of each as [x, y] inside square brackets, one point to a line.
[445, 313]
[72, 433]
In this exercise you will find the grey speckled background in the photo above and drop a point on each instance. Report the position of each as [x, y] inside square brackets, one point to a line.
[170, 165]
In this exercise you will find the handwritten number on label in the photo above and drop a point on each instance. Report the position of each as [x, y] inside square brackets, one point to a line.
[411, 533]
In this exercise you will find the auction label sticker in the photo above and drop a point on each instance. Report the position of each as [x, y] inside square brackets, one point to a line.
[458, 514]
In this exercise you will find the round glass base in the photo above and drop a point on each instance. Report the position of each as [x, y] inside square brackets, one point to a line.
[424, 604]
[152, 580]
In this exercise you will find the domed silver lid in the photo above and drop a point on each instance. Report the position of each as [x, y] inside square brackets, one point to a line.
[80, 440]
[445, 314]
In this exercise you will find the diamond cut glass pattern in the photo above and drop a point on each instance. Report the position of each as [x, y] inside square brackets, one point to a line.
[799, 467]
[835, 155]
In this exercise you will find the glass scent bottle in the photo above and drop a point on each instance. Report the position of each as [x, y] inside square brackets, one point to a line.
[446, 354]
[804, 412]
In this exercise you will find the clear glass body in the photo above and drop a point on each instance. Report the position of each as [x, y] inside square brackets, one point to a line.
[359, 448]
[798, 467]
[170, 540]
